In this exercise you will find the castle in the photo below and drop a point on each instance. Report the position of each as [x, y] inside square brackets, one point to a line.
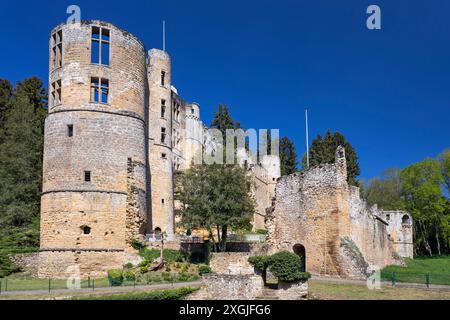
[117, 130]
[116, 133]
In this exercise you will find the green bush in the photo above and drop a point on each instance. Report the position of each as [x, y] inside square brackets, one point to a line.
[128, 266]
[260, 263]
[144, 263]
[129, 275]
[173, 294]
[169, 255]
[137, 245]
[115, 277]
[261, 231]
[286, 267]
[204, 269]
[143, 269]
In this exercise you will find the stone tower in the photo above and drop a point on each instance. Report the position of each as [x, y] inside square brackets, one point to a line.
[194, 135]
[161, 115]
[94, 182]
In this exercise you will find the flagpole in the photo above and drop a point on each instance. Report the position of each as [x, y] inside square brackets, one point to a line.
[307, 139]
[164, 35]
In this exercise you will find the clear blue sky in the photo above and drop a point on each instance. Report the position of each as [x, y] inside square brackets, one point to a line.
[387, 91]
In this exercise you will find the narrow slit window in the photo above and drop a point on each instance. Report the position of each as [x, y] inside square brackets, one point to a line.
[99, 90]
[87, 176]
[163, 108]
[100, 43]
[70, 130]
[163, 78]
[163, 135]
[57, 49]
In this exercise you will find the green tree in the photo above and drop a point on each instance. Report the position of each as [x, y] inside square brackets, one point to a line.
[288, 156]
[6, 92]
[323, 151]
[444, 159]
[385, 191]
[223, 120]
[421, 185]
[215, 198]
[21, 165]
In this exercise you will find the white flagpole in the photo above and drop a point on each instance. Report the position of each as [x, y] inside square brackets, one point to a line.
[307, 139]
[164, 35]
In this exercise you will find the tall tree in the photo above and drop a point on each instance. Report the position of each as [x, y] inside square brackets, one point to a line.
[323, 151]
[444, 159]
[6, 92]
[215, 198]
[421, 184]
[21, 161]
[288, 156]
[385, 191]
[223, 120]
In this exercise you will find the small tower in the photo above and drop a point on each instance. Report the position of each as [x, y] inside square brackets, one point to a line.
[161, 115]
[194, 135]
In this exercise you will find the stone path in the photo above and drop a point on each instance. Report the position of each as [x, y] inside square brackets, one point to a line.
[103, 290]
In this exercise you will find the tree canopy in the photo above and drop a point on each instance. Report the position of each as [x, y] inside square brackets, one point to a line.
[288, 156]
[323, 150]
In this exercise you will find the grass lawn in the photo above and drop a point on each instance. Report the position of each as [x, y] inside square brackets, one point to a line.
[331, 291]
[438, 268]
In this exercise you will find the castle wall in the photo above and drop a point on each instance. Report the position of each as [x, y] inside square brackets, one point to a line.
[400, 230]
[82, 218]
[339, 233]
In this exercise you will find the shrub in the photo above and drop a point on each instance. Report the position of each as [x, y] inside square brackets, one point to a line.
[185, 268]
[144, 263]
[129, 265]
[261, 231]
[115, 277]
[286, 267]
[137, 245]
[173, 294]
[129, 275]
[204, 269]
[260, 263]
[143, 269]
[169, 255]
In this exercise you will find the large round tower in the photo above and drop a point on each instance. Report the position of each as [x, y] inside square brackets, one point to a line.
[94, 179]
[161, 115]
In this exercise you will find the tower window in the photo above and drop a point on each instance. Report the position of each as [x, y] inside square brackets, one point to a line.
[163, 201]
[57, 49]
[164, 156]
[163, 135]
[70, 130]
[56, 93]
[100, 46]
[163, 78]
[99, 90]
[163, 108]
[87, 176]
[86, 230]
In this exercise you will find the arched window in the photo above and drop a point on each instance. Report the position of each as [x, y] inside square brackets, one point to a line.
[406, 220]
[158, 233]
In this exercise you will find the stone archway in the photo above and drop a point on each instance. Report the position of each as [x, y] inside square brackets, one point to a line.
[300, 250]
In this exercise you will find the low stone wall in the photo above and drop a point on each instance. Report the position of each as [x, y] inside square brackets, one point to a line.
[231, 263]
[292, 290]
[229, 287]
[28, 262]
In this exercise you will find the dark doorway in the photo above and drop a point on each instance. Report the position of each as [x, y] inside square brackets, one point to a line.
[301, 252]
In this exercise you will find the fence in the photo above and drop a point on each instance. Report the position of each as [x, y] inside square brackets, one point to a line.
[426, 279]
[14, 284]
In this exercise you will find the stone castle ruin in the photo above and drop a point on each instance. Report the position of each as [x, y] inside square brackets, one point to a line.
[116, 133]
[318, 215]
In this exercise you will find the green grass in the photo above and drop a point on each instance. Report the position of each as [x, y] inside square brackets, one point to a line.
[415, 272]
[337, 291]
[172, 294]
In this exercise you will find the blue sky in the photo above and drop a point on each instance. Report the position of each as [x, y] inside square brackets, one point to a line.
[387, 91]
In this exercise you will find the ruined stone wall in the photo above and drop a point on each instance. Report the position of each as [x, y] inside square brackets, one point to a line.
[105, 136]
[400, 231]
[341, 235]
